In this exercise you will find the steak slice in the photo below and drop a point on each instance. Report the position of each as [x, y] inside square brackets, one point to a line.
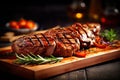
[35, 43]
[66, 45]
[58, 42]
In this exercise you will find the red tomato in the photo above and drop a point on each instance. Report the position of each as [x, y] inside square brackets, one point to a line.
[22, 23]
[30, 24]
[100, 45]
[81, 54]
[14, 24]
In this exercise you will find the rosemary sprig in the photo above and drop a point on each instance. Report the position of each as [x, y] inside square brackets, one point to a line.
[110, 35]
[35, 59]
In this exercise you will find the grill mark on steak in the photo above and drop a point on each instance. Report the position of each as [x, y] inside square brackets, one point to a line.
[68, 39]
[59, 42]
[31, 40]
[58, 38]
[82, 32]
[65, 38]
[39, 40]
[76, 34]
[80, 35]
[73, 34]
[46, 38]
[91, 30]
[78, 31]
[62, 39]
[83, 35]
[55, 46]
[81, 26]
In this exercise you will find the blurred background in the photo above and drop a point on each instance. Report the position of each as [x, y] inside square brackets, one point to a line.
[49, 13]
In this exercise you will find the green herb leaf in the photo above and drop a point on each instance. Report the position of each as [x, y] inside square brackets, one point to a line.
[110, 35]
[35, 59]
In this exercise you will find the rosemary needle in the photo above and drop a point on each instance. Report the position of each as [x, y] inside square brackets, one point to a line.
[35, 59]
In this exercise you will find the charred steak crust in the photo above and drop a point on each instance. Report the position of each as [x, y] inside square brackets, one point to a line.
[58, 42]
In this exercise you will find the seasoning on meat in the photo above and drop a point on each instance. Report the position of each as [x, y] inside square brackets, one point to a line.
[63, 42]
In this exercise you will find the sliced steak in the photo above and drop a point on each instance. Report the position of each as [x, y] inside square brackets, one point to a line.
[58, 42]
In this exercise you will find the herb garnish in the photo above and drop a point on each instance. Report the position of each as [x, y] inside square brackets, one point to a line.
[36, 59]
[110, 35]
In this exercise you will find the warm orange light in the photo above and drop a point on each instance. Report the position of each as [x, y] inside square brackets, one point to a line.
[79, 15]
[95, 16]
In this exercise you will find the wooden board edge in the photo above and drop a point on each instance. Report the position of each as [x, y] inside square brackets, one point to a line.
[60, 68]
[75, 65]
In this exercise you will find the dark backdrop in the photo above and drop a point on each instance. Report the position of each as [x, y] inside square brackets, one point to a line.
[45, 12]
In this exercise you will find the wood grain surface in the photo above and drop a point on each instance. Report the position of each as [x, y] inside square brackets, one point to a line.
[37, 72]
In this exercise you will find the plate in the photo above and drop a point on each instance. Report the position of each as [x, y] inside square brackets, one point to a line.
[22, 30]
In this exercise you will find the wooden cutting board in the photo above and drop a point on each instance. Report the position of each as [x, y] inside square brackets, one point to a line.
[38, 72]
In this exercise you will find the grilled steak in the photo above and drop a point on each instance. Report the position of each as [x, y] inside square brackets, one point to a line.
[58, 42]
